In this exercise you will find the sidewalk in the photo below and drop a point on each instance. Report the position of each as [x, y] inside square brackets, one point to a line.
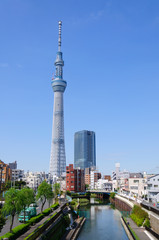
[140, 231]
[32, 228]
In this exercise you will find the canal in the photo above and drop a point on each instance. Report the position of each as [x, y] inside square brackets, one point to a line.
[103, 223]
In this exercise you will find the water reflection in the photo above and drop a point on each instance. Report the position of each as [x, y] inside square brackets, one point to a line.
[103, 223]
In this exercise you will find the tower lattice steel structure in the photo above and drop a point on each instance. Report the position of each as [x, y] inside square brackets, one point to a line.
[58, 158]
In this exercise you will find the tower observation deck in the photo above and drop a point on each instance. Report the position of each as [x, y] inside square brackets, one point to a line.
[58, 158]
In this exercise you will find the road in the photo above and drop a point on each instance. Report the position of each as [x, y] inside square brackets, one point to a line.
[16, 222]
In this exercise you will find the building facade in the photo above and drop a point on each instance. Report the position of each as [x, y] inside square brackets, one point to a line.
[5, 173]
[94, 176]
[58, 158]
[13, 165]
[74, 179]
[17, 174]
[153, 188]
[137, 185]
[84, 149]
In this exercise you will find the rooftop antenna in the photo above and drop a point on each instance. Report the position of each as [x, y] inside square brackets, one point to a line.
[59, 40]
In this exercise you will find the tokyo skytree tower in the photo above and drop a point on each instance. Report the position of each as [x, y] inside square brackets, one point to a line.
[58, 158]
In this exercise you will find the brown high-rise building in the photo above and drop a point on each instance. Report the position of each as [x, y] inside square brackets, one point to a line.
[74, 179]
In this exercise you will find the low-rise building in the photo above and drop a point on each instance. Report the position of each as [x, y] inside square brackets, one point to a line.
[33, 180]
[103, 184]
[153, 188]
[94, 176]
[107, 177]
[137, 185]
[17, 174]
[74, 179]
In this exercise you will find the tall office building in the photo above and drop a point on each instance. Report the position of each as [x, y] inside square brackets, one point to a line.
[84, 149]
[58, 158]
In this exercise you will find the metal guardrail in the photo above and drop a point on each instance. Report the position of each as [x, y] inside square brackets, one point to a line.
[152, 232]
[150, 208]
[129, 229]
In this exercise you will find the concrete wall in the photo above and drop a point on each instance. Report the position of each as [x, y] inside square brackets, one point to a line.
[154, 223]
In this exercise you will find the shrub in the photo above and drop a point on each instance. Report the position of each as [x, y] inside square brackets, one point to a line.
[47, 211]
[139, 212]
[8, 235]
[66, 220]
[72, 202]
[17, 231]
[112, 195]
[147, 223]
[84, 200]
[68, 193]
[137, 220]
[54, 206]
[74, 194]
[36, 219]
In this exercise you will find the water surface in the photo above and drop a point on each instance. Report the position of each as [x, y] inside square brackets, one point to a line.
[103, 223]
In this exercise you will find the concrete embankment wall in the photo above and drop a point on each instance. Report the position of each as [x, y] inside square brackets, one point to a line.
[154, 221]
[125, 205]
[120, 204]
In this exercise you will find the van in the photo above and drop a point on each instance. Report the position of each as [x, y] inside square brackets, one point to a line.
[29, 213]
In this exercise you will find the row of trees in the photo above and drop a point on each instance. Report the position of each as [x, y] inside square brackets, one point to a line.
[18, 200]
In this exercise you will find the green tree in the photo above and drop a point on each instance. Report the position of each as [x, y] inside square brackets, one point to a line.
[2, 220]
[44, 193]
[12, 204]
[112, 195]
[26, 196]
[86, 186]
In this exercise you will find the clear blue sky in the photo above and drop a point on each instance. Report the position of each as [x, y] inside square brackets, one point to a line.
[111, 54]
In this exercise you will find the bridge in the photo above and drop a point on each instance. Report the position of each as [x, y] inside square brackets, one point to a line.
[100, 193]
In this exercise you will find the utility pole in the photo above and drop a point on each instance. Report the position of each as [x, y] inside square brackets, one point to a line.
[1, 168]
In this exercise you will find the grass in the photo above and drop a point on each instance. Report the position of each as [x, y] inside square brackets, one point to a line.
[137, 238]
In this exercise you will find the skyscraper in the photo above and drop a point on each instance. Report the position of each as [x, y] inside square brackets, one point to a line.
[84, 149]
[58, 158]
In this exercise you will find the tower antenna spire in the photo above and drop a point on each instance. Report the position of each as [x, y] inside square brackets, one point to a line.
[59, 40]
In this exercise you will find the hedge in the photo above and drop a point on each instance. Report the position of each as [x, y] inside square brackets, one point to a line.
[37, 232]
[54, 206]
[36, 219]
[22, 228]
[47, 211]
[17, 231]
[147, 223]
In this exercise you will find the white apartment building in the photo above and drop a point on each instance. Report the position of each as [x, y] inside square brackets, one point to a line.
[33, 180]
[153, 188]
[17, 174]
[103, 184]
[94, 176]
[137, 185]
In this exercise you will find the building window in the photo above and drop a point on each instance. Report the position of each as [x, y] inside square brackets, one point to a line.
[136, 181]
[72, 186]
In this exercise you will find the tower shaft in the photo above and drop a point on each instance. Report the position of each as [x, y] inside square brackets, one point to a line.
[58, 158]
